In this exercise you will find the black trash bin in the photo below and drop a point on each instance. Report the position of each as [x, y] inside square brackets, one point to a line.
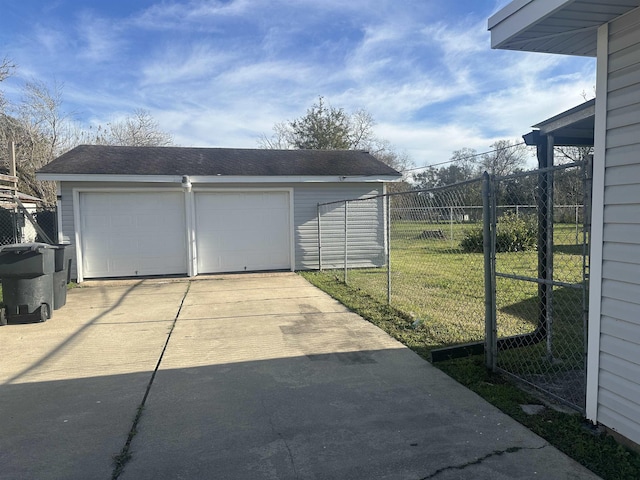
[63, 254]
[26, 271]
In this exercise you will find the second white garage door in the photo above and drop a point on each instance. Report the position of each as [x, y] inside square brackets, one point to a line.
[240, 231]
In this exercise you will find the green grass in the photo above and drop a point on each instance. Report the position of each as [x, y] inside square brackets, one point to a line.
[566, 431]
[435, 281]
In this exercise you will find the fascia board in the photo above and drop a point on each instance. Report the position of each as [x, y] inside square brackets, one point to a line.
[293, 179]
[68, 177]
[214, 179]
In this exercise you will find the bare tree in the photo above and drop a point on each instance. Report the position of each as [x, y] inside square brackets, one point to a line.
[280, 140]
[506, 157]
[6, 69]
[139, 129]
[41, 134]
[42, 130]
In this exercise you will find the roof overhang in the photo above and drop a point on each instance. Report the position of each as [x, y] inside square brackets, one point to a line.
[574, 127]
[221, 179]
[554, 26]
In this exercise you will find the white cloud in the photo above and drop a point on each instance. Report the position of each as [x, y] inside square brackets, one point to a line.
[178, 63]
[99, 38]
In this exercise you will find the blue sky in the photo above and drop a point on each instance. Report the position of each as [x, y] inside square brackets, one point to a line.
[221, 73]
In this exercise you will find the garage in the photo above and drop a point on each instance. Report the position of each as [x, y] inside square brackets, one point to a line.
[141, 211]
[242, 231]
[124, 234]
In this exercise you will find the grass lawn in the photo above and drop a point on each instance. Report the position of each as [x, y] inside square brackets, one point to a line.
[435, 282]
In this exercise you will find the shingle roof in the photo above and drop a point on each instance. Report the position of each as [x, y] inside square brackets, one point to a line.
[110, 160]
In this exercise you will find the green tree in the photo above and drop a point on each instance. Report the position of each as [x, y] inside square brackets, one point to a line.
[325, 127]
[322, 128]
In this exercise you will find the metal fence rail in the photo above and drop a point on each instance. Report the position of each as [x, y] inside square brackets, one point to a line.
[490, 264]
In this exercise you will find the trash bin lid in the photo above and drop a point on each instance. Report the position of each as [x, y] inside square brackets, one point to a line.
[25, 247]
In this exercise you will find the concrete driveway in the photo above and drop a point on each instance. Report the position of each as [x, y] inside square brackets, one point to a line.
[241, 377]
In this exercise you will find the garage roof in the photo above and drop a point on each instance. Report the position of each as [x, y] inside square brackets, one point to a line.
[90, 160]
[554, 26]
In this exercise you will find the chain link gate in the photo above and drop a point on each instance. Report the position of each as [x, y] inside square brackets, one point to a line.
[540, 265]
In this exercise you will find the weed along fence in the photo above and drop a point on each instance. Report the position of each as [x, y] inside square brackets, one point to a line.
[491, 265]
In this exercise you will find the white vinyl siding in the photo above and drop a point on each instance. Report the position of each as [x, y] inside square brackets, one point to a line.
[619, 363]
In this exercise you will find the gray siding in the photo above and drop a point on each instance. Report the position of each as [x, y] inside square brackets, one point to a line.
[619, 376]
[366, 243]
[365, 220]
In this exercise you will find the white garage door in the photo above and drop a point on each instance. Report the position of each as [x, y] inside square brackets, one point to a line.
[240, 231]
[130, 234]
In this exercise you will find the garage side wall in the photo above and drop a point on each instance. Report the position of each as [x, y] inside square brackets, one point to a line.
[306, 197]
[363, 252]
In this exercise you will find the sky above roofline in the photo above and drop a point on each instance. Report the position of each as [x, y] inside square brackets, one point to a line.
[222, 73]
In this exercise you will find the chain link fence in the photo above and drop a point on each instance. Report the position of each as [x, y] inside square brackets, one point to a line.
[17, 227]
[489, 264]
[404, 249]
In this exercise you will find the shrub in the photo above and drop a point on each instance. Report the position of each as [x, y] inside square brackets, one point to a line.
[472, 242]
[515, 233]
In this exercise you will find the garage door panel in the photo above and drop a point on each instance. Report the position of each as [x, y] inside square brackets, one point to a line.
[242, 231]
[133, 233]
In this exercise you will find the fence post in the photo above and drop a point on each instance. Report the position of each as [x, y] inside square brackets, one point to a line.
[346, 223]
[489, 274]
[319, 239]
[549, 248]
[451, 224]
[388, 200]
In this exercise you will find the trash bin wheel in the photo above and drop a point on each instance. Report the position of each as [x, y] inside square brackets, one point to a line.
[3, 317]
[45, 312]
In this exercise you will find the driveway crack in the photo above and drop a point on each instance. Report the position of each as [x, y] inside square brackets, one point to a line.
[121, 459]
[477, 461]
[281, 437]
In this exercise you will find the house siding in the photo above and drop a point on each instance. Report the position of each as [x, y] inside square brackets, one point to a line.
[619, 361]
[366, 242]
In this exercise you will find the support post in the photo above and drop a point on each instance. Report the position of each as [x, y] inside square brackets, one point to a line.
[388, 232]
[542, 197]
[346, 238]
[489, 274]
[549, 247]
[319, 239]
[12, 162]
[451, 224]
